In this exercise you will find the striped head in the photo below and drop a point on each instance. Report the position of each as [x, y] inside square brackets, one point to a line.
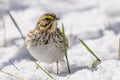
[47, 21]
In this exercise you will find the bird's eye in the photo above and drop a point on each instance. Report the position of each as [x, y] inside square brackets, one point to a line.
[47, 18]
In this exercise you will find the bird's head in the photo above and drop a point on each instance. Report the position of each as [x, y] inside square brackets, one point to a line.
[47, 21]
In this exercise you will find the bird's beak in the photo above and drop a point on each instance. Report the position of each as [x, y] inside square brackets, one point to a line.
[57, 18]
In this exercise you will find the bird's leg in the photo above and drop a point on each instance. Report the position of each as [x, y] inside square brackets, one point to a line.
[57, 67]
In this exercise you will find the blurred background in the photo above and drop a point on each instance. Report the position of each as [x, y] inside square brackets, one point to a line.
[94, 21]
[101, 14]
[97, 22]
[79, 16]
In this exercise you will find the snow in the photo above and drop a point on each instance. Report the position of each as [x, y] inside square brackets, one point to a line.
[97, 22]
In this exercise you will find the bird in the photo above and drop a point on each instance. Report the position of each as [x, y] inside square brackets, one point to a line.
[45, 42]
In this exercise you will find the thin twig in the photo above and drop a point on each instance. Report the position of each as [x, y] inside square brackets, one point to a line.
[16, 25]
[3, 24]
[14, 65]
[12, 75]
[119, 50]
[44, 70]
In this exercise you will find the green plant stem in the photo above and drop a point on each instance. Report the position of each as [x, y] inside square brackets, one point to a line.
[65, 47]
[85, 45]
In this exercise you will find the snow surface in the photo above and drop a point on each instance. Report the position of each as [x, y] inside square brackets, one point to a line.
[97, 22]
